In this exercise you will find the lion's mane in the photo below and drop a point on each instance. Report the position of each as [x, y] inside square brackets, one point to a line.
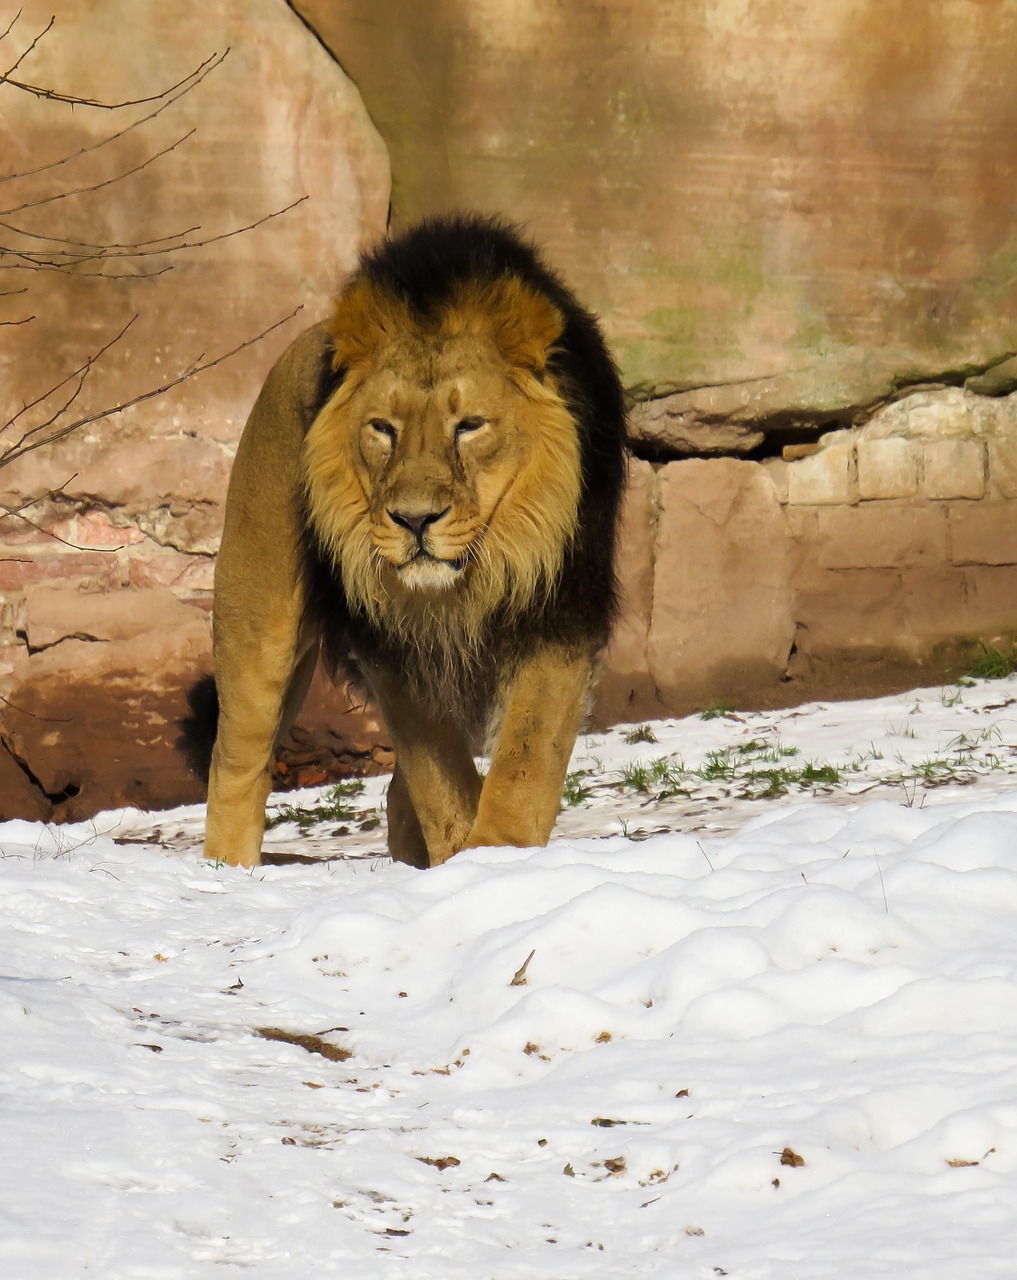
[547, 571]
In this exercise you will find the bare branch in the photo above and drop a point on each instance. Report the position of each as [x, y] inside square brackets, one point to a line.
[84, 244]
[10, 26]
[98, 186]
[14, 323]
[19, 450]
[170, 95]
[144, 248]
[5, 76]
[74, 100]
[81, 371]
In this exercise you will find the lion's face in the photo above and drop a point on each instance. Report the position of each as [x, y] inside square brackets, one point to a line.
[444, 473]
[438, 443]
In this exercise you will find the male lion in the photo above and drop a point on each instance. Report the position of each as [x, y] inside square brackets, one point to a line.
[427, 488]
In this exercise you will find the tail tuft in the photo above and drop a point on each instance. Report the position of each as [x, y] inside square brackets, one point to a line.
[197, 731]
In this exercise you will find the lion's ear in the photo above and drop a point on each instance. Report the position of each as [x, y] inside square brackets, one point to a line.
[523, 323]
[363, 319]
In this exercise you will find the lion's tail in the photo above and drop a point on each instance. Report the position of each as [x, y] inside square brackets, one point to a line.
[197, 731]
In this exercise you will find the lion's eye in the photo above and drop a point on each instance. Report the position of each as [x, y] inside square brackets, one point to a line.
[466, 426]
[383, 428]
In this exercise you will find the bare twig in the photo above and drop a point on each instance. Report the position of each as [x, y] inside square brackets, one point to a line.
[81, 371]
[10, 26]
[166, 99]
[144, 249]
[106, 182]
[5, 76]
[18, 451]
[73, 99]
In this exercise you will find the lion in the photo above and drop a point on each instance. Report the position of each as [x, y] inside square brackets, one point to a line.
[427, 493]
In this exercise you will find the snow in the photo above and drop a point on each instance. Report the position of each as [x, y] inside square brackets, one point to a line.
[753, 1028]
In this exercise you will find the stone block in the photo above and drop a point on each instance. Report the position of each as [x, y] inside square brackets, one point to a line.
[992, 601]
[887, 468]
[827, 478]
[623, 672]
[722, 582]
[94, 530]
[1003, 466]
[848, 610]
[54, 613]
[881, 535]
[938, 415]
[985, 533]
[934, 605]
[954, 469]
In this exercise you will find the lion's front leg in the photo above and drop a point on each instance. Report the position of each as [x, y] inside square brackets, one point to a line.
[542, 709]
[432, 800]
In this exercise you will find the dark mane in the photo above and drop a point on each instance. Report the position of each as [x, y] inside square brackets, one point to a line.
[424, 267]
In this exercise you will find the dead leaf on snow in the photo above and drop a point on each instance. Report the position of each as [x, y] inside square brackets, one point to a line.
[313, 1044]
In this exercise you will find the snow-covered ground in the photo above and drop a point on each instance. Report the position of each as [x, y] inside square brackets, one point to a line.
[753, 1013]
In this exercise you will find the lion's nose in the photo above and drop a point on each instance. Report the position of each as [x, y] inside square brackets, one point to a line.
[417, 523]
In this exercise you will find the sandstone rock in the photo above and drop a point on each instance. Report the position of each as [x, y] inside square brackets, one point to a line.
[625, 687]
[954, 469]
[739, 193]
[722, 581]
[887, 468]
[1003, 465]
[1000, 380]
[682, 424]
[881, 535]
[984, 534]
[114, 606]
[277, 121]
[829, 477]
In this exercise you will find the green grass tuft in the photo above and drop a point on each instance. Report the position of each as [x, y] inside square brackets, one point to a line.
[641, 733]
[994, 664]
[334, 807]
[716, 710]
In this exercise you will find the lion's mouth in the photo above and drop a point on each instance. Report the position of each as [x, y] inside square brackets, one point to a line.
[424, 571]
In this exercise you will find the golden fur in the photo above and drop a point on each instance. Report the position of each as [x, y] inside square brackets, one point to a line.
[511, 487]
[414, 489]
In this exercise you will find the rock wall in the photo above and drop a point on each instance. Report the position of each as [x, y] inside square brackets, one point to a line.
[106, 575]
[789, 221]
[793, 206]
[878, 559]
